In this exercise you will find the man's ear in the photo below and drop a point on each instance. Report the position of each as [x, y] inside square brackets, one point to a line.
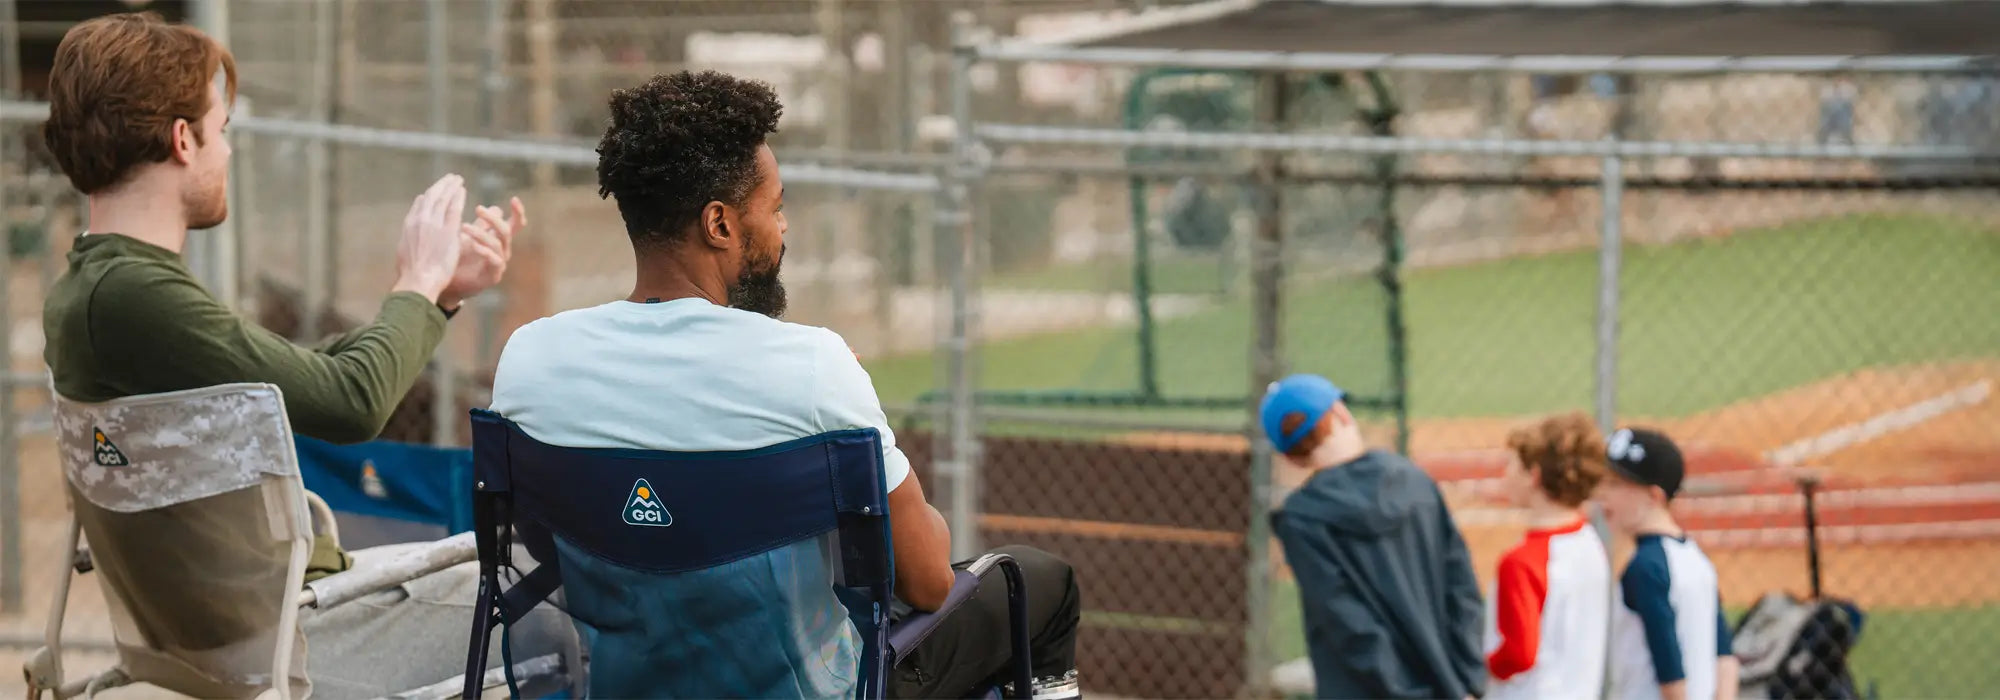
[182, 140]
[715, 229]
[1346, 416]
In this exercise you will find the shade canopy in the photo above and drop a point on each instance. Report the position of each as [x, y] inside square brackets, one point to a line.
[1468, 27]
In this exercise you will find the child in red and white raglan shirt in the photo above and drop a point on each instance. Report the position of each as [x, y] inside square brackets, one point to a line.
[1550, 608]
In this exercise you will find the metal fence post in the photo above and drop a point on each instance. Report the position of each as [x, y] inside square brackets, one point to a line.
[444, 386]
[829, 20]
[1267, 271]
[214, 255]
[1381, 122]
[318, 254]
[10, 49]
[1610, 253]
[492, 83]
[892, 245]
[1808, 487]
[956, 228]
[11, 559]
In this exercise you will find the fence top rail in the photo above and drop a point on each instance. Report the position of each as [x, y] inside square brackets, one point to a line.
[887, 161]
[1336, 143]
[500, 149]
[1024, 50]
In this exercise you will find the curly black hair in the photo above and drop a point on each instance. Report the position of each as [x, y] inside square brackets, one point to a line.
[678, 142]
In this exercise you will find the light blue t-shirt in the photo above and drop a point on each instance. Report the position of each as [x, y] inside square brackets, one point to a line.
[685, 376]
[689, 376]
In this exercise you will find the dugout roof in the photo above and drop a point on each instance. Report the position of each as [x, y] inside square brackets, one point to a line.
[1658, 28]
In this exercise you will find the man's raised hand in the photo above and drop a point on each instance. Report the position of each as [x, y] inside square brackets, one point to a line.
[427, 255]
[485, 246]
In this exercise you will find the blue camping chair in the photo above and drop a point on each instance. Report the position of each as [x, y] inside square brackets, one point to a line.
[385, 492]
[652, 551]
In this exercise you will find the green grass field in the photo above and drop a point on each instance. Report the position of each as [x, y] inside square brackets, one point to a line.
[1913, 653]
[1702, 323]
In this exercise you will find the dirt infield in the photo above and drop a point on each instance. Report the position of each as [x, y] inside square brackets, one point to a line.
[1946, 444]
[1956, 444]
[1903, 575]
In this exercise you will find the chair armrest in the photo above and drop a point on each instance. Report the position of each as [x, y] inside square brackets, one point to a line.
[906, 635]
[322, 515]
[405, 566]
[910, 631]
[986, 564]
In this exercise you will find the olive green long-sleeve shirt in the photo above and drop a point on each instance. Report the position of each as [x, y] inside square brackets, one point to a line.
[128, 318]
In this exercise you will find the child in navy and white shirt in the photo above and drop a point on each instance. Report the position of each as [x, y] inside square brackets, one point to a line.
[1669, 638]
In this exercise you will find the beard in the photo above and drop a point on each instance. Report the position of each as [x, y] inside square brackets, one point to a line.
[208, 205]
[757, 288]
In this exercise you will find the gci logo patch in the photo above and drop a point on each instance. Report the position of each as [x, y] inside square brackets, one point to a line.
[105, 453]
[371, 482]
[643, 507]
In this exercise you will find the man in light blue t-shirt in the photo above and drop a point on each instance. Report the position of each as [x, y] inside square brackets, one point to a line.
[696, 359]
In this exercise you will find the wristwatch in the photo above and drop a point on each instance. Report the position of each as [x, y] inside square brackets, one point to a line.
[448, 313]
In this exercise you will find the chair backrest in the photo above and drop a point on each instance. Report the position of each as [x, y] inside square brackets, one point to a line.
[386, 492]
[706, 574]
[197, 524]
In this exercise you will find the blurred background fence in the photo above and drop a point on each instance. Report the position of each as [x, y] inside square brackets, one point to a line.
[1070, 272]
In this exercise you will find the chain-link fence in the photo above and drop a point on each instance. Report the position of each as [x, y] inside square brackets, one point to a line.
[1788, 270]
[512, 94]
[541, 71]
[1118, 281]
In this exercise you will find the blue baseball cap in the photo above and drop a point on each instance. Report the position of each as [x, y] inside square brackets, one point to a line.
[1309, 394]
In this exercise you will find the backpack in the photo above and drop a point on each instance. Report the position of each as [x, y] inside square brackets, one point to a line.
[1797, 648]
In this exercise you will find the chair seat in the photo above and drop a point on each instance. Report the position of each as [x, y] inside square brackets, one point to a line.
[906, 634]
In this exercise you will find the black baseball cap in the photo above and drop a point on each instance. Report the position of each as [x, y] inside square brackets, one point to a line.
[1647, 457]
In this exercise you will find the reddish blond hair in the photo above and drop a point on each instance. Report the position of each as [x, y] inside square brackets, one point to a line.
[1305, 446]
[1568, 453]
[118, 85]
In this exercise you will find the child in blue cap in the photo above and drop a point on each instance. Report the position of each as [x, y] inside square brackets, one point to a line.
[1392, 608]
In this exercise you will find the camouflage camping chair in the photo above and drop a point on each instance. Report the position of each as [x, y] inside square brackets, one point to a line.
[199, 532]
